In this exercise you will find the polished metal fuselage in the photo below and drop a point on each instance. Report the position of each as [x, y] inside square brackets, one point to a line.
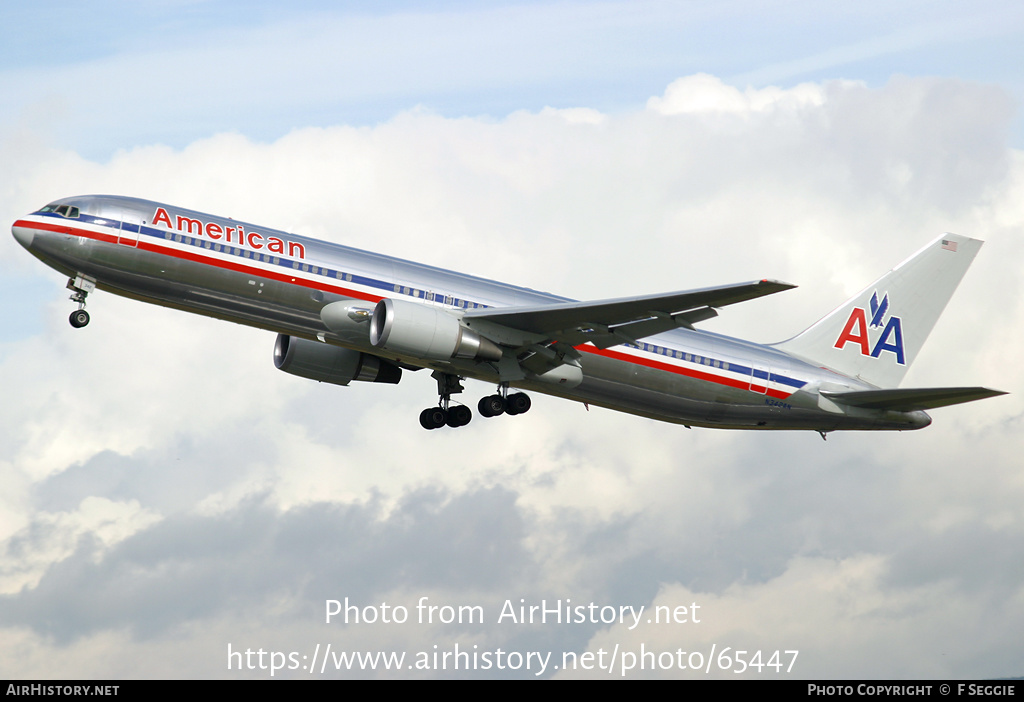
[280, 282]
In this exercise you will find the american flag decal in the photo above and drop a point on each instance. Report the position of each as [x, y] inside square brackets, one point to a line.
[949, 245]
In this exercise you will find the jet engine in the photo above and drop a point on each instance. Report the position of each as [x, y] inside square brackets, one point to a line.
[427, 332]
[331, 364]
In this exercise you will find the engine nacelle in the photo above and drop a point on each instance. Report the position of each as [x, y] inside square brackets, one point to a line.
[350, 318]
[331, 364]
[427, 332]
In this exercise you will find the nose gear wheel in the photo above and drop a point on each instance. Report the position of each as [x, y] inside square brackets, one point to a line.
[80, 288]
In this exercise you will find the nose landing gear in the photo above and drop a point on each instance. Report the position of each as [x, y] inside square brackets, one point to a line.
[80, 288]
[79, 318]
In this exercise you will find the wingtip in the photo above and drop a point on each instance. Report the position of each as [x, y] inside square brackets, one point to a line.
[781, 284]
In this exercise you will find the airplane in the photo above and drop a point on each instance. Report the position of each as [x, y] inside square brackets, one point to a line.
[343, 314]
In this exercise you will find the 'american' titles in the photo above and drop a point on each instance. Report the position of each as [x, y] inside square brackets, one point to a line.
[230, 235]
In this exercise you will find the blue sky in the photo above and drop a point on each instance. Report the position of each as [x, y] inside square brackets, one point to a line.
[108, 76]
[167, 492]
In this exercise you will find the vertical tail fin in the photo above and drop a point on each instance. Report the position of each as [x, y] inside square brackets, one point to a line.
[876, 334]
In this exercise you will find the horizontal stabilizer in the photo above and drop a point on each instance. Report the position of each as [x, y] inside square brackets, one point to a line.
[910, 399]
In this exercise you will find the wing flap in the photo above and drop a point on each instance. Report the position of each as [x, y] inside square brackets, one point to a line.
[911, 399]
[605, 336]
[623, 320]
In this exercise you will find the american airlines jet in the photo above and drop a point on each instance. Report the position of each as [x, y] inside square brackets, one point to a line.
[343, 315]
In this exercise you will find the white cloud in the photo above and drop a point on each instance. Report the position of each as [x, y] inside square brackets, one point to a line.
[188, 495]
[705, 93]
[842, 617]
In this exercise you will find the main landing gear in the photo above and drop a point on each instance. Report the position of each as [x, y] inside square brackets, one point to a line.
[445, 412]
[460, 415]
[493, 405]
[80, 289]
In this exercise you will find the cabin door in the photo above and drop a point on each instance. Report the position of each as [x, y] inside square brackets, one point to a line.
[759, 375]
[131, 223]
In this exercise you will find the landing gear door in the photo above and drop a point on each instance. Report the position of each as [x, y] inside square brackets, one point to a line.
[131, 224]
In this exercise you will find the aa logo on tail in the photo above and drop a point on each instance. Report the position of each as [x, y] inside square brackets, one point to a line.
[857, 326]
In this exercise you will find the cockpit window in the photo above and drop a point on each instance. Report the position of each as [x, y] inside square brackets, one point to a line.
[68, 211]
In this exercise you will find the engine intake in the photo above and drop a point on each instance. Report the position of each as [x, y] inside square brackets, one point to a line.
[331, 364]
[427, 332]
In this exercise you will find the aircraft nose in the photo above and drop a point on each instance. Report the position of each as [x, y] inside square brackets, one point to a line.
[24, 235]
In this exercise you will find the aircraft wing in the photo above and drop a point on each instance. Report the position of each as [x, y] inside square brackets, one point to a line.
[607, 323]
